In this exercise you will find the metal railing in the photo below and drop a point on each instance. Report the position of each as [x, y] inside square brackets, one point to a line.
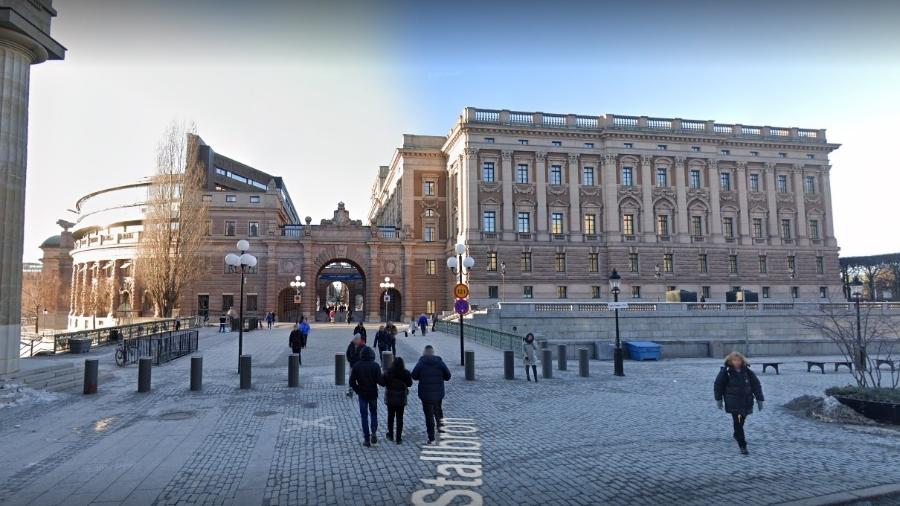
[489, 337]
[670, 307]
[107, 335]
[161, 347]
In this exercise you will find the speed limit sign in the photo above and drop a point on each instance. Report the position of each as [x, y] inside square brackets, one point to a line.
[461, 291]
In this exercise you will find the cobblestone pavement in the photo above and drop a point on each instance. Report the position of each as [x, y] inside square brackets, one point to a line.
[652, 437]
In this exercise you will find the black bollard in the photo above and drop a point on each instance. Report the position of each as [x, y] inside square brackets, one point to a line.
[561, 357]
[543, 344]
[340, 365]
[145, 365]
[293, 370]
[470, 365]
[197, 373]
[91, 368]
[547, 362]
[246, 361]
[583, 365]
[509, 366]
[387, 358]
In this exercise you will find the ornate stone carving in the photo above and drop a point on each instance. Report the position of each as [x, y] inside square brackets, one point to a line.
[610, 158]
[469, 151]
[573, 159]
[660, 192]
[784, 198]
[341, 218]
[698, 193]
[757, 197]
[713, 163]
[389, 267]
[646, 159]
[811, 200]
[559, 189]
[629, 191]
[741, 165]
[486, 187]
[523, 188]
[590, 191]
[540, 155]
[506, 155]
[728, 197]
[679, 160]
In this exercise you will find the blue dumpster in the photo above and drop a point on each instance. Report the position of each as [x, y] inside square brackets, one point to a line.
[644, 350]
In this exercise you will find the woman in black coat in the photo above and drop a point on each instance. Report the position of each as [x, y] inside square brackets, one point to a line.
[737, 386]
[397, 381]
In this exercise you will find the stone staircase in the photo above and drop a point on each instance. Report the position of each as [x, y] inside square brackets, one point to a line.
[61, 377]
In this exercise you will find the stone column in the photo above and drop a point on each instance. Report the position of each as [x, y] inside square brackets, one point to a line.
[828, 236]
[506, 179]
[681, 218]
[772, 199]
[743, 203]
[715, 212]
[73, 289]
[648, 215]
[800, 200]
[540, 169]
[24, 40]
[113, 288]
[574, 198]
[610, 197]
[470, 180]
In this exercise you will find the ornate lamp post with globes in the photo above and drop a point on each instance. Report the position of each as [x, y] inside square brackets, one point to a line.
[244, 261]
[619, 367]
[459, 264]
[298, 285]
[386, 286]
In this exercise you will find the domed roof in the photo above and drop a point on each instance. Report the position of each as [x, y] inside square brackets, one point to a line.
[50, 242]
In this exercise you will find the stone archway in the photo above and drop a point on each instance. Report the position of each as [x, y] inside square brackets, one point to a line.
[287, 309]
[391, 310]
[340, 285]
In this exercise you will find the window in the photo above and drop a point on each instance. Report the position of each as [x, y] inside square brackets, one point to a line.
[589, 145]
[758, 228]
[429, 213]
[695, 149]
[662, 177]
[230, 198]
[702, 263]
[523, 142]
[430, 267]
[522, 173]
[786, 228]
[763, 265]
[732, 264]
[820, 265]
[792, 265]
[823, 292]
[490, 221]
[493, 292]
[492, 261]
[209, 228]
[662, 225]
[725, 152]
[695, 178]
[207, 198]
[527, 292]
[635, 292]
[220, 171]
[810, 156]
[562, 292]
[560, 261]
[252, 302]
[524, 223]
[556, 223]
[254, 199]
[725, 181]
[428, 188]
[487, 172]
[227, 302]
[557, 144]
[628, 145]
[593, 262]
[627, 176]
[704, 292]
[809, 184]
[668, 263]
[628, 224]
[765, 292]
[795, 292]
[697, 226]
[633, 262]
[754, 182]
[754, 153]
[728, 226]
[555, 174]
[587, 178]
[782, 184]
[814, 230]
[488, 140]
[428, 234]
[662, 147]
[782, 155]
[595, 292]
[525, 261]
[253, 229]
[430, 307]
[229, 228]
[590, 224]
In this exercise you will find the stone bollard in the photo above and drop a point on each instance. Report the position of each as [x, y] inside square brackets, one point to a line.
[547, 363]
[293, 370]
[197, 373]
[145, 365]
[509, 365]
[387, 358]
[543, 344]
[561, 357]
[91, 369]
[246, 371]
[340, 366]
[583, 365]
[470, 365]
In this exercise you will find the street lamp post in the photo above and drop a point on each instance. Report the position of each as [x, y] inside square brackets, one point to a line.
[856, 290]
[298, 285]
[619, 366]
[244, 261]
[657, 274]
[386, 286]
[460, 264]
[502, 281]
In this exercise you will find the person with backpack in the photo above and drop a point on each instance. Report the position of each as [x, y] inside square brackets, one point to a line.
[737, 386]
[431, 372]
[530, 356]
[295, 341]
[353, 354]
[384, 341]
[397, 381]
[365, 377]
[360, 330]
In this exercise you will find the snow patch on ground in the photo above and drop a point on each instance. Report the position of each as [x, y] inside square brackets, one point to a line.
[827, 409]
[12, 394]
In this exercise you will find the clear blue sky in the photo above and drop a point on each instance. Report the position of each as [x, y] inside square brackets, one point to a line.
[320, 92]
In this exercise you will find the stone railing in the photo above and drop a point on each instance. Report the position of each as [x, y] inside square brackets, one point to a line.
[642, 123]
[693, 307]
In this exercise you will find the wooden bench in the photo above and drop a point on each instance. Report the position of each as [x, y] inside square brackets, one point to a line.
[821, 365]
[884, 361]
[773, 365]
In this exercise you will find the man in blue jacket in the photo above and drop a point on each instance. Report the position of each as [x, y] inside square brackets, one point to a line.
[431, 372]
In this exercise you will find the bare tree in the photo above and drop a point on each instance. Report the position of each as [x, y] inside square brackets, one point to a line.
[39, 291]
[871, 274]
[169, 252]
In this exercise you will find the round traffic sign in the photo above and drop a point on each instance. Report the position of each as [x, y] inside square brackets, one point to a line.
[461, 290]
[461, 306]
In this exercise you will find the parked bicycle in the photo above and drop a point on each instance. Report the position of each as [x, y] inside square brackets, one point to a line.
[126, 352]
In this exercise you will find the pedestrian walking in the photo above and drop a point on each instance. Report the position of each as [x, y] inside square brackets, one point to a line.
[354, 351]
[223, 323]
[411, 329]
[530, 357]
[297, 342]
[385, 341]
[737, 385]
[431, 372]
[365, 377]
[231, 319]
[397, 381]
[423, 323]
[270, 319]
[361, 330]
[434, 322]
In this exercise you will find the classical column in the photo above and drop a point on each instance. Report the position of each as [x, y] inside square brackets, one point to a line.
[772, 199]
[540, 169]
[113, 287]
[648, 214]
[574, 198]
[800, 200]
[73, 289]
[715, 216]
[743, 203]
[470, 190]
[506, 179]
[826, 201]
[85, 287]
[681, 217]
[24, 40]
[610, 197]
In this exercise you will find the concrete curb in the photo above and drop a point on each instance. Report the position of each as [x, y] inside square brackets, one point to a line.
[847, 497]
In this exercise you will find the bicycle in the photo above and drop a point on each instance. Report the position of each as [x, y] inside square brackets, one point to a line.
[126, 352]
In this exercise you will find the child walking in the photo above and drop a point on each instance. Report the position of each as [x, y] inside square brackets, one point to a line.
[737, 386]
